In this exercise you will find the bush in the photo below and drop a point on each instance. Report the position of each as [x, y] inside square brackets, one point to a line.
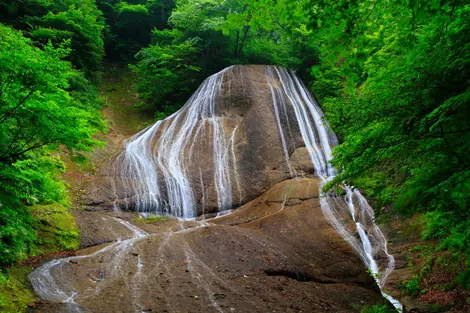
[454, 235]
[16, 234]
[378, 309]
[411, 287]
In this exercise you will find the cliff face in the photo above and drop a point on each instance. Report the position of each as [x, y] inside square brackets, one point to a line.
[233, 140]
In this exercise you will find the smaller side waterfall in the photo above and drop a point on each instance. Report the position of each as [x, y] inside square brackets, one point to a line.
[48, 287]
[350, 215]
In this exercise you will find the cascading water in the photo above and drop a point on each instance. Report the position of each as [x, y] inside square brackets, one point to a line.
[319, 141]
[160, 176]
[161, 171]
[170, 161]
[48, 287]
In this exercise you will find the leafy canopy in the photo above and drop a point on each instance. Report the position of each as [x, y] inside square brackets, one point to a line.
[46, 21]
[44, 104]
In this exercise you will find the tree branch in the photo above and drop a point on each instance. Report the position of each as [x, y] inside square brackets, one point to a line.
[9, 113]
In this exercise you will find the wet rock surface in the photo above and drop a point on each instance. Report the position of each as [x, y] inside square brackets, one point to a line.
[245, 108]
[277, 253]
[102, 226]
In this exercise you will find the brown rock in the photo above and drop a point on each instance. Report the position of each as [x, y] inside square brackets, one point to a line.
[267, 256]
[244, 102]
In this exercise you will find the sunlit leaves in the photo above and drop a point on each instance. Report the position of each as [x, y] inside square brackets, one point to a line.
[164, 70]
[44, 104]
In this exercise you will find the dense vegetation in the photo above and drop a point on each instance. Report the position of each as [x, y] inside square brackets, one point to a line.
[46, 104]
[203, 38]
[44, 21]
[129, 25]
[50, 53]
[392, 76]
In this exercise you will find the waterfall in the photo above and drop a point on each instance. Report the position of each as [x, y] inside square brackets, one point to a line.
[158, 171]
[161, 171]
[145, 170]
[319, 141]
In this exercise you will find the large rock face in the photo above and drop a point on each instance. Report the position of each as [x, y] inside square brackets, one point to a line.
[244, 130]
[233, 140]
[247, 139]
[277, 253]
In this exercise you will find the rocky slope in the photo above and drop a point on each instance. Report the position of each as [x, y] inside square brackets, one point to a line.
[244, 109]
[275, 253]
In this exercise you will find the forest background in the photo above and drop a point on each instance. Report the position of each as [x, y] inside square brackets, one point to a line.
[392, 77]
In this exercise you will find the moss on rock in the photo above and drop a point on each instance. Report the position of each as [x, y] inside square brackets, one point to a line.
[56, 229]
[15, 295]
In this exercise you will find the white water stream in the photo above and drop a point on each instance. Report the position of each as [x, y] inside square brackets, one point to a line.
[168, 163]
[156, 163]
[44, 281]
[319, 140]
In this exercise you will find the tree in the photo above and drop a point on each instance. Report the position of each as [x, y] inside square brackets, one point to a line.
[80, 22]
[130, 23]
[207, 36]
[40, 110]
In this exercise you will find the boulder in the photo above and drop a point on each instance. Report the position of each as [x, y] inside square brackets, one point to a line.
[252, 145]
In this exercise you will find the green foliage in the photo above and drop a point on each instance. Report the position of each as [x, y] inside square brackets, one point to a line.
[408, 121]
[45, 105]
[207, 36]
[411, 287]
[166, 111]
[378, 309]
[160, 70]
[454, 235]
[16, 233]
[170, 69]
[14, 293]
[78, 22]
[37, 109]
[55, 228]
[129, 24]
